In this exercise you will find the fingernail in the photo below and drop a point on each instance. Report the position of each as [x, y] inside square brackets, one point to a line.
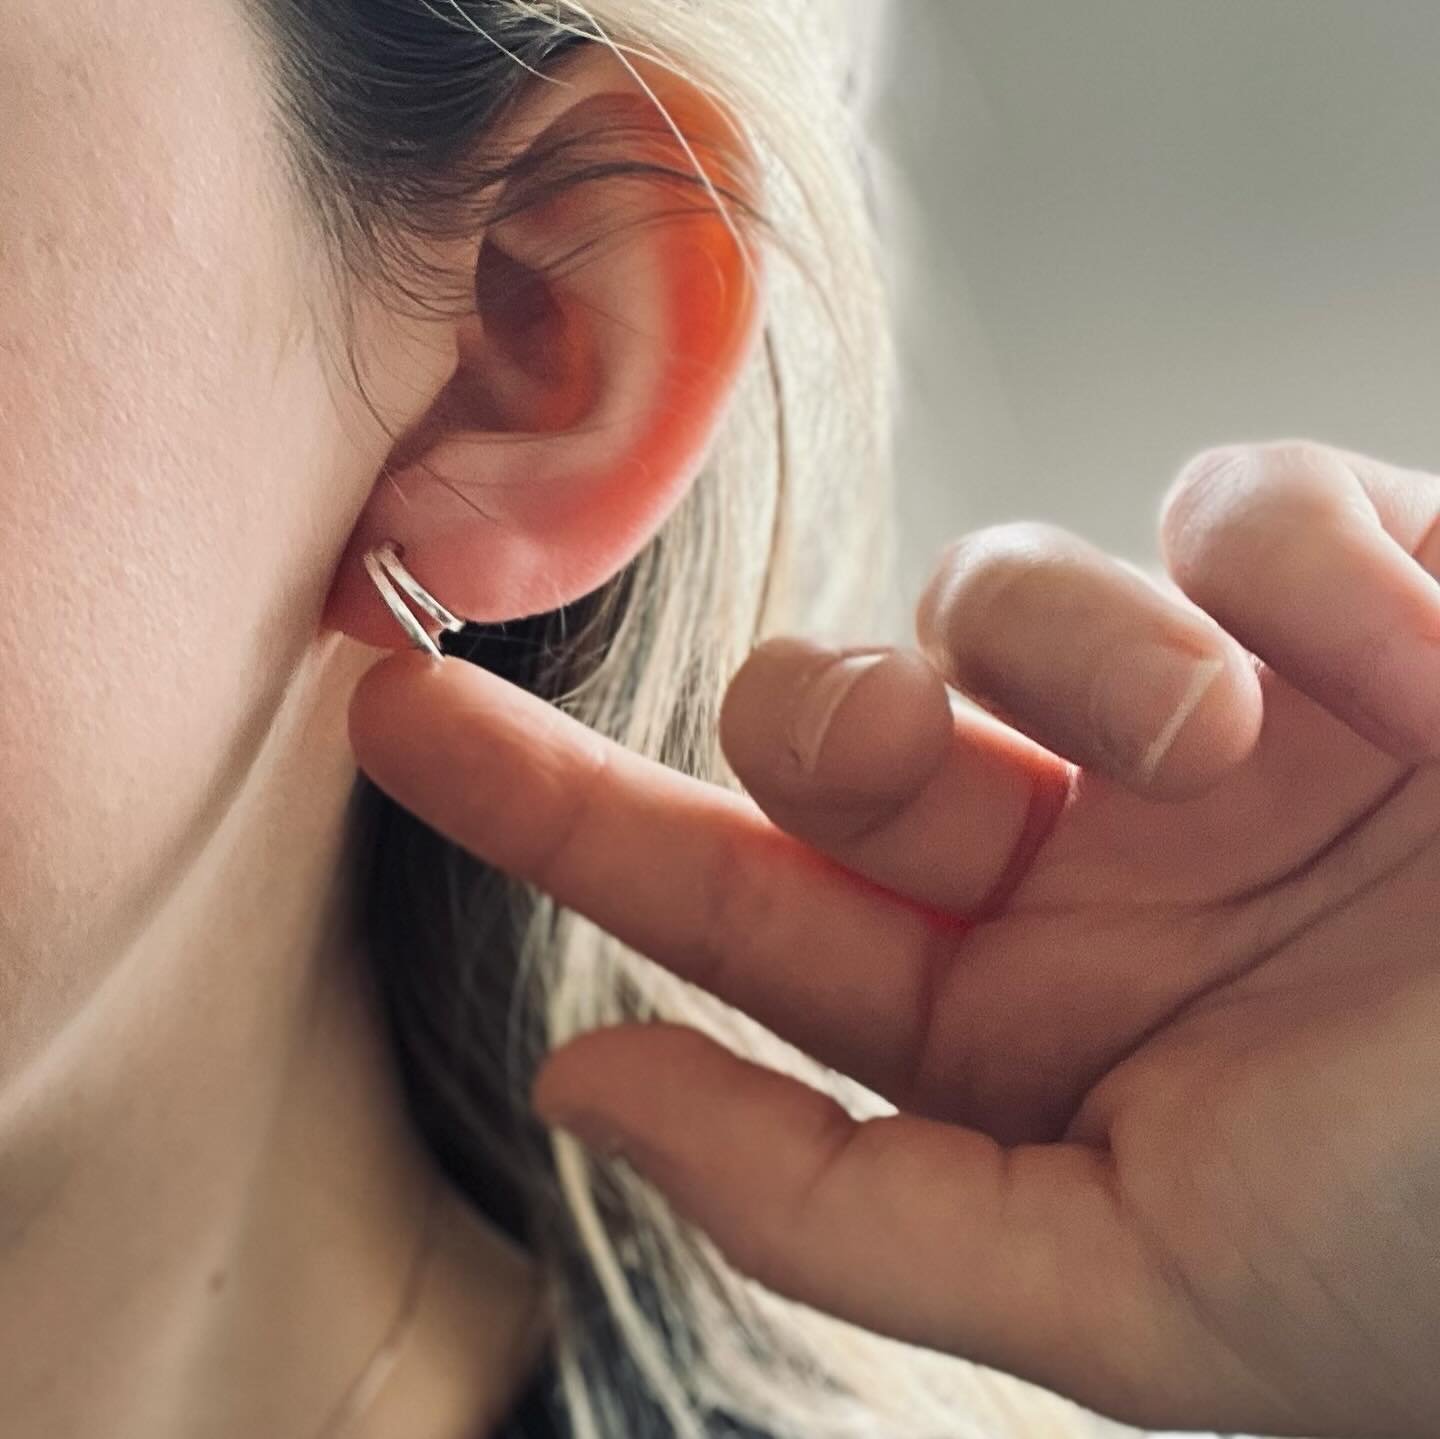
[816, 710]
[1143, 699]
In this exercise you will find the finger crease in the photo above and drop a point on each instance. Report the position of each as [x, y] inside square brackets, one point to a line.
[1049, 797]
[573, 818]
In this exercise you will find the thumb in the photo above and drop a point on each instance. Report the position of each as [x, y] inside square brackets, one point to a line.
[1019, 1258]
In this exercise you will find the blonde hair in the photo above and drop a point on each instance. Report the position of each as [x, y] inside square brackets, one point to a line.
[789, 528]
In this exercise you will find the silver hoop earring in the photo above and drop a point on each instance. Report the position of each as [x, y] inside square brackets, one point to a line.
[384, 558]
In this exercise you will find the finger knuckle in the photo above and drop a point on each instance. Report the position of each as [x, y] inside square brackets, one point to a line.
[1208, 483]
[1298, 456]
[739, 913]
[978, 570]
[758, 1248]
[1233, 507]
[1004, 547]
[824, 1140]
[576, 790]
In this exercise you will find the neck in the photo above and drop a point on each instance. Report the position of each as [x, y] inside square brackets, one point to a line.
[210, 1196]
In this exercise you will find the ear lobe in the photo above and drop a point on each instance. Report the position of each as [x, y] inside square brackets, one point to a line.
[612, 321]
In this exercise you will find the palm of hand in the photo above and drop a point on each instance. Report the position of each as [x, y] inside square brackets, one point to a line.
[1234, 1000]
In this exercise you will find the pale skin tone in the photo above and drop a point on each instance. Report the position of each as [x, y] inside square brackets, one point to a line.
[210, 1195]
[1166, 1138]
[1166, 1134]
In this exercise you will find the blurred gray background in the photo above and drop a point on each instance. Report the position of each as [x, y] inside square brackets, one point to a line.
[1128, 229]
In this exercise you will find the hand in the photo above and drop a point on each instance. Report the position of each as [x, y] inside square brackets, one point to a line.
[1144, 951]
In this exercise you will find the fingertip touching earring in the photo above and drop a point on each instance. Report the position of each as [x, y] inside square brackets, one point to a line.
[383, 564]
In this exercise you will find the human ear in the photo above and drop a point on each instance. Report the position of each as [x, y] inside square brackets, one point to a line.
[590, 378]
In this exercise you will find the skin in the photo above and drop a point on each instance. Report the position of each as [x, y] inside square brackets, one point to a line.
[210, 1196]
[1157, 1020]
[1154, 1000]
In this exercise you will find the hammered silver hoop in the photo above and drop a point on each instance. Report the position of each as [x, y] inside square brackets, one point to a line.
[383, 564]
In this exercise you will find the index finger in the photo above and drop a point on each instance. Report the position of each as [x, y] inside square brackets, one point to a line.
[688, 873]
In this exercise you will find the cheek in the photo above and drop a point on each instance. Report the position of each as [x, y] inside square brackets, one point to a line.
[168, 460]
